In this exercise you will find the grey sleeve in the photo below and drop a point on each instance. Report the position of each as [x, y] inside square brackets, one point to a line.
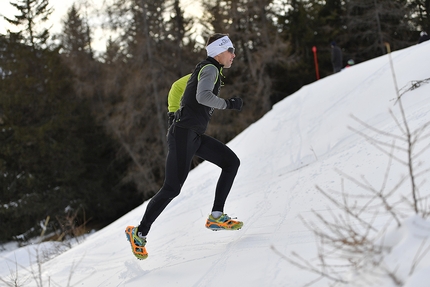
[205, 86]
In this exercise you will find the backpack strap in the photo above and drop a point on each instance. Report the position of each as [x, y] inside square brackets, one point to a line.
[217, 75]
[177, 90]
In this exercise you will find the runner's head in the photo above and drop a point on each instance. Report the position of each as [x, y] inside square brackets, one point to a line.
[220, 47]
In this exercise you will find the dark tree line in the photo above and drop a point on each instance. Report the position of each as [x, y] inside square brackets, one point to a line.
[85, 135]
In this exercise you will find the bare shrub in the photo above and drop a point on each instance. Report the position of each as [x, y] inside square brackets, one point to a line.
[352, 239]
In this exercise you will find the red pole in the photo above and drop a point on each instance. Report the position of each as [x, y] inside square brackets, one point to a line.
[314, 49]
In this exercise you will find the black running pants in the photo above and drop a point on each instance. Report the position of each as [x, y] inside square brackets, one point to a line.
[183, 145]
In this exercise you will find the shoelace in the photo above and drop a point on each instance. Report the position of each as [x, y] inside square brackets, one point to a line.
[225, 218]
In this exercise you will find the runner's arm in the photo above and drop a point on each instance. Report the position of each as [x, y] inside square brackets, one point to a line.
[205, 85]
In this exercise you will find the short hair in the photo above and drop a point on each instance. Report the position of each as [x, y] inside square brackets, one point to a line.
[215, 37]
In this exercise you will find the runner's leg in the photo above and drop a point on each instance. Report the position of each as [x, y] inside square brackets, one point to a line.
[182, 145]
[218, 153]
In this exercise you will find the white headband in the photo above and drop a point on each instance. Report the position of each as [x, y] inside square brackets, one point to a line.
[220, 45]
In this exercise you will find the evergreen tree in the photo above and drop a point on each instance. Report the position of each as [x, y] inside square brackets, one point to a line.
[420, 15]
[179, 43]
[33, 13]
[306, 24]
[54, 157]
[332, 12]
[75, 37]
[371, 23]
[39, 154]
[75, 41]
[330, 27]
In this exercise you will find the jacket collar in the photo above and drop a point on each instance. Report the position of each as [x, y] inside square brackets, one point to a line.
[215, 62]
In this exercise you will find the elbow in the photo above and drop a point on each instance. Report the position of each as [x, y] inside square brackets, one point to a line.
[201, 96]
[199, 99]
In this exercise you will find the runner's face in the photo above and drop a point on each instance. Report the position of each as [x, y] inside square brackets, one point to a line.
[226, 58]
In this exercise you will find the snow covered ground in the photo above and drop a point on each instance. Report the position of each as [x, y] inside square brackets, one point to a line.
[307, 142]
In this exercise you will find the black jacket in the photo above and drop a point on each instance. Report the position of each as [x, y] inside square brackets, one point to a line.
[191, 114]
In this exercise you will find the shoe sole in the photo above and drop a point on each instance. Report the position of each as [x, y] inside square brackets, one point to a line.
[218, 229]
[214, 227]
[128, 235]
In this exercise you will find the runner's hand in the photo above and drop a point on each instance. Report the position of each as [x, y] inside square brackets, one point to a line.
[234, 103]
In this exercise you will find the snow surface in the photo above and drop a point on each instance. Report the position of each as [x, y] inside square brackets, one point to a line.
[305, 141]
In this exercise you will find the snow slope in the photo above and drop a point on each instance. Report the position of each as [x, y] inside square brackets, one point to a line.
[303, 142]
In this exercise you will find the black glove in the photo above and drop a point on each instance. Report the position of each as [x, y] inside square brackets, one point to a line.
[234, 103]
[171, 118]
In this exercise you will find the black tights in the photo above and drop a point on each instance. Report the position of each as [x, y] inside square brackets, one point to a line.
[183, 145]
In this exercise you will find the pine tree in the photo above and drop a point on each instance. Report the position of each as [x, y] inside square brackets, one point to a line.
[33, 13]
[306, 24]
[179, 43]
[75, 41]
[75, 37]
[371, 23]
[39, 153]
[420, 14]
[54, 156]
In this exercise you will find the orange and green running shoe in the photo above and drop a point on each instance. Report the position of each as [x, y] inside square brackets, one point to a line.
[224, 222]
[137, 243]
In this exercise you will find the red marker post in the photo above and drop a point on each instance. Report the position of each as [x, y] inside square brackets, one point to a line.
[314, 49]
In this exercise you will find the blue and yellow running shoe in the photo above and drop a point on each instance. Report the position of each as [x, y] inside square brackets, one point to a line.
[137, 243]
[224, 222]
